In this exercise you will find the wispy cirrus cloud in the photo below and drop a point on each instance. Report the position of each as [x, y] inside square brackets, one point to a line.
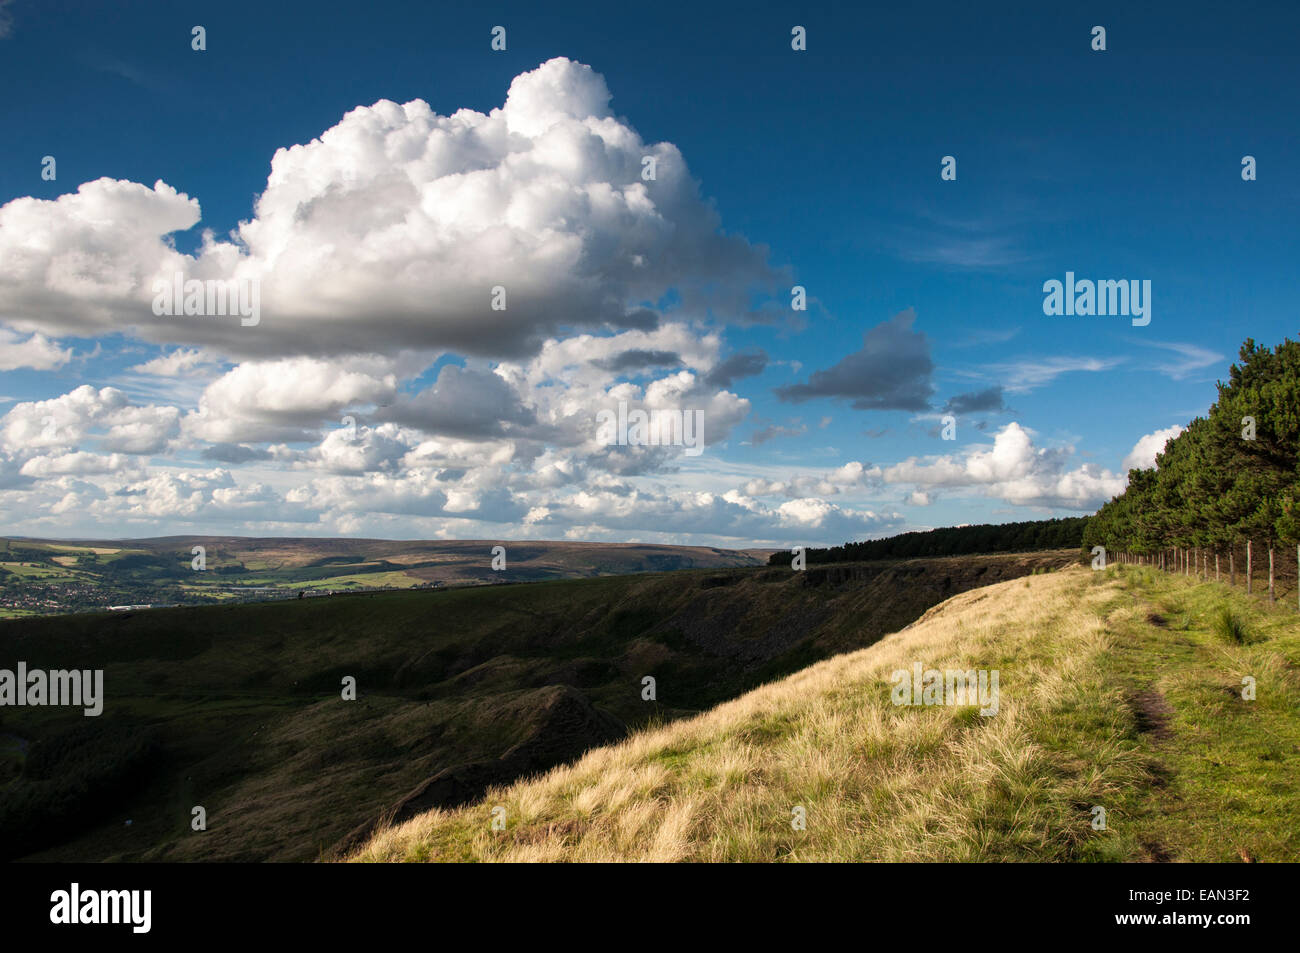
[983, 336]
[1187, 359]
[969, 251]
[1027, 374]
[953, 241]
[115, 66]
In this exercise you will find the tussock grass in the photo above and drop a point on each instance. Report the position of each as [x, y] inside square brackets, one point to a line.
[878, 782]
[1229, 627]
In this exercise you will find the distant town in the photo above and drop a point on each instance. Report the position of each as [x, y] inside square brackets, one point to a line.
[50, 577]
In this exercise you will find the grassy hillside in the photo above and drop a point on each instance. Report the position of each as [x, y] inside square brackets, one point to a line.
[237, 708]
[1119, 689]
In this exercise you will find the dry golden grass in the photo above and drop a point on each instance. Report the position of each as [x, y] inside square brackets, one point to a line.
[878, 782]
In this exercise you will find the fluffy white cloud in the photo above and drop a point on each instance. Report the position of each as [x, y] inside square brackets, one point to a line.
[1015, 470]
[173, 364]
[1143, 454]
[287, 400]
[186, 497]
[105, 417]
[60, 422]
[84, 263]
[37, 352]
[79, 463]
[358, 449]
[850, 476]
[391, 230]
[376, 247]
[141, 430]
[730, 516]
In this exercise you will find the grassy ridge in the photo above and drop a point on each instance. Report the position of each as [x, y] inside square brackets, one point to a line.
[1117, 690]
[462, 687]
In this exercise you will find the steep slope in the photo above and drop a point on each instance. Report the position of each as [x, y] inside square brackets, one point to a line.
[238, 708]
[1115, 692]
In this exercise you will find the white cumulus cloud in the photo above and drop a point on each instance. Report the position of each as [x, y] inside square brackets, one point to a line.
[1143, 454]
[390, 231]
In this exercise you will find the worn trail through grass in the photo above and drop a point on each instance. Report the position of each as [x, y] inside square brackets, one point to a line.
[1119, 690]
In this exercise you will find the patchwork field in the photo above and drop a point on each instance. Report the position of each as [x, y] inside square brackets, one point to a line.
[40, 577]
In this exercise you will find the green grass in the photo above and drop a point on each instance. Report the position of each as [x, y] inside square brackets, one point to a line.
[1117, 692]
[1227, 764]
[376, 579]
[45, 573]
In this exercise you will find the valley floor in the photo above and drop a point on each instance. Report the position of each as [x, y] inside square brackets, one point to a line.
[1120, 690]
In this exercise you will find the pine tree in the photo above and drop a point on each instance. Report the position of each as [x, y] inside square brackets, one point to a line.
[1230, 478]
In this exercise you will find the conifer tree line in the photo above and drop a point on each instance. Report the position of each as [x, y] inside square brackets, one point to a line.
[1227, 487]
[1061, 533]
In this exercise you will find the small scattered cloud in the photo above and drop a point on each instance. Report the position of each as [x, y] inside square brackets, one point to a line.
[979, 401]
[745, 364]
[170, 365]
[772, 431]
[892, 371]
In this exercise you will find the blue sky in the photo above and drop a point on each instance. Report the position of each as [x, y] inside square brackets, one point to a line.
[818, 168]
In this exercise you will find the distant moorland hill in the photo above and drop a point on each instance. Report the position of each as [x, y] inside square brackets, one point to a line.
[40, 577]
